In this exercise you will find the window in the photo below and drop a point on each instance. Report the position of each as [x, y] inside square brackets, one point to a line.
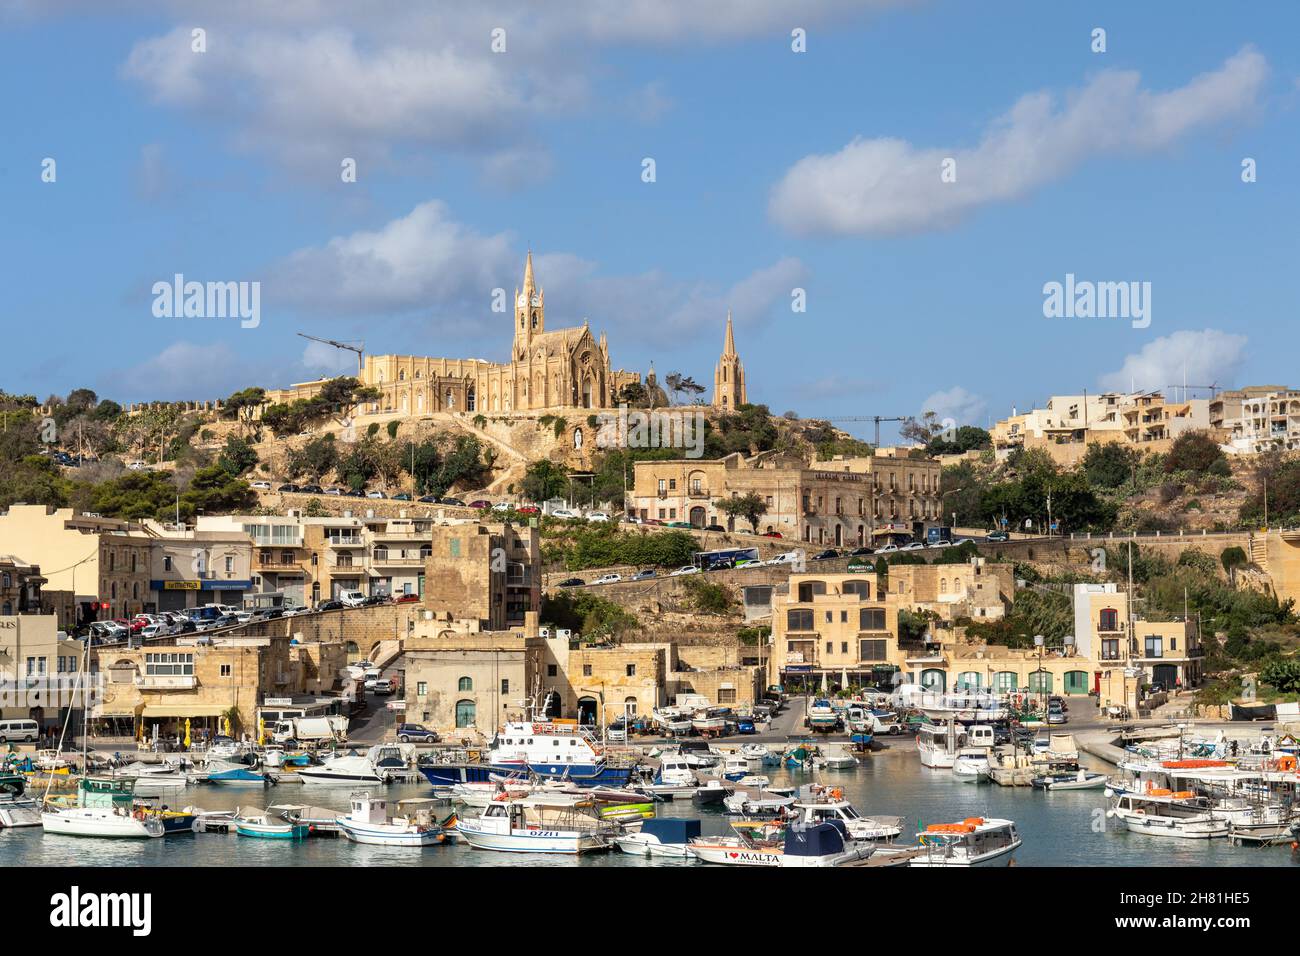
[830, 616]
[167, 562]
[631, 670]
[844, 647]
[726, 695]
[1109, 620]
[464, 684]
[505, 685]
[230, 564]
[421, 689]
[586, 670]
[1110, 650]
[1155, 646]
[225, 670]
[1004, 682]
[552, 670]
[1040, 682]
[169, 665]
[629, 707]
[830, 647]
[861, 588]
[809, 589]
[799, 619]
[872, 650]
[871, 619]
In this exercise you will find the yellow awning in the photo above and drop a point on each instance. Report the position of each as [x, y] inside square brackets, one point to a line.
[184, 710]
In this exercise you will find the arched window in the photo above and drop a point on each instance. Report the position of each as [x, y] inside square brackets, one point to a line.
[629, 705]
[1109, 620]
[969, 680]
[943, 585]
[401, 376]
[807, 589]
[1004, 682]
[465, 684]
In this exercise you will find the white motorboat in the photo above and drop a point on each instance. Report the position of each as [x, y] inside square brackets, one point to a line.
[735, 766]
[538, 824]
[105, 808]
[972, 842]
[368, 822]
[971, 765]
[837, 757]
[755, 752]
[154, 778]
[818, 804]
[1179, 815]
[1070, 780]
[344, 771]
[751, 802]
[676, 769]
[661, 837]
[16, 808]
[938, 744]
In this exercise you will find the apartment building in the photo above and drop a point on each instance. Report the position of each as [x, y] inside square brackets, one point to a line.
[975, 589]
[1260, 418]
[1166, 652]
[490, 573]
[39, 669]
[103, 564]
[841, 502]
[191, 568]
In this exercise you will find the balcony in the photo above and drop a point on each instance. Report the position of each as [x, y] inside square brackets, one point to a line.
[698, 493]
[276, 564]
[399, 557]
[345, 541]
[166, 682]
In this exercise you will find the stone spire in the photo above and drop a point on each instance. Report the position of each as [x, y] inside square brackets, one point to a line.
[729, 375]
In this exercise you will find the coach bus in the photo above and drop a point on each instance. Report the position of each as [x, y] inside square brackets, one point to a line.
[725, 558]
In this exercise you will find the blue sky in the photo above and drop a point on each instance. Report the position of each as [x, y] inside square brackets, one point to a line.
[775, 170]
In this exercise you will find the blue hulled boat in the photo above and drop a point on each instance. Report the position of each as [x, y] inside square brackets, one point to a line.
[555, 749]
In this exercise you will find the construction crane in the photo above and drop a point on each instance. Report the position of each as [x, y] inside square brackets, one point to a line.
[876, 419]
[359, 349]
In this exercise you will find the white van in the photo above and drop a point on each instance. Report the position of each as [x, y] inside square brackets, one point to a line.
[25, 730]
[352, 598]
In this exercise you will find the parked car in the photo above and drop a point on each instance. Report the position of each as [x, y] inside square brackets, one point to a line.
[375, 494]
[401, 496]
[997, 536]
[352, 598]
[825, 555]
[529, 510]
[714, 527]
[455, 502]
[383, 687]
[480, 504]
[913, 546]
[330, 606]
[679, 524]
[887, 549]
[685, 569]
[354, 493]
[564, 513]
[572, 583]
[654, 521]
[260, 485]
[376, 599]
[503, 506]
[941, 543]
[617, 732]
[416, 733]
[407, 599]
[1055, 715]
[287, 489]
[773, 534]
[644, 575]
[311, 490]
[786, 557]
[958, 542]
[611, 578]
[597, 516]
[336, 492]
[428, 499]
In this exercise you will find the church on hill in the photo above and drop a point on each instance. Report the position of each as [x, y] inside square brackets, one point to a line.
[548, 370]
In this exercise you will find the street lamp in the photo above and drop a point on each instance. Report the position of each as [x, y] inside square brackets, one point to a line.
[1039, 642]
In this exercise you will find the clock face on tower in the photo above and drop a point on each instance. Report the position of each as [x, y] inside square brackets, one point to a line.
[537, 300]
[523, 300]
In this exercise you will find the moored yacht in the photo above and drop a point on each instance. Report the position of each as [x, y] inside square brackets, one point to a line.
[972, 842]
[368, 822]
[344, 770]
[16, 808]
[1179, 814]
[938, 744]
[105, 808]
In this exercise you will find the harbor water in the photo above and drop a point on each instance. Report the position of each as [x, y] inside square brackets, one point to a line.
[1066, 828]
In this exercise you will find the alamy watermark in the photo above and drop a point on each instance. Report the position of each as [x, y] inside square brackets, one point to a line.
[1084, 299]
[208, 300]
[635, 428]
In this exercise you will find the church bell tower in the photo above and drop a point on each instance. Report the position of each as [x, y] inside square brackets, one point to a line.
[530, 309]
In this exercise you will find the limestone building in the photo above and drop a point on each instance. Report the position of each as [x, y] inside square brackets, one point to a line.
[547, 369]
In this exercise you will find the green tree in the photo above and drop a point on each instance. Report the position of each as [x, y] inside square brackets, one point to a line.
[215, 491]
[1197, 452]
[315, 459]
[750, 506]
[237, 456]
[1282, 673]
[543, 480]
[1109, 464]
[1232, 559]
[964, 439]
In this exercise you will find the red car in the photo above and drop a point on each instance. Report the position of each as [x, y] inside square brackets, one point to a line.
[480, 504]
[773, 534]
[529, 510]
[407, 599]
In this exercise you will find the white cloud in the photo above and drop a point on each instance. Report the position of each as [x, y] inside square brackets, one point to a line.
[328, 360]
[885, 186]
[963, 407]
[320, 79]
[1199, 358]
[183, 371]
[427, 263]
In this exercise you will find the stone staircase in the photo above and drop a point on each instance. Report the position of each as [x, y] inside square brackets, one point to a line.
[1259, 552]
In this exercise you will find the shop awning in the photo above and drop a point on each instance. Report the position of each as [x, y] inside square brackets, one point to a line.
[122, 709]
[184, 710]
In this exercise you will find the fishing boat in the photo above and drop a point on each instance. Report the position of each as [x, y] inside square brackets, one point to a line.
[710, 721]
[711, 793]
[260, 824]
[1179, 814]
[755, 752]
[796, 845]
[16, 808]
[547, 748]
[226, 774]
[368, 822]
[1070, 780]
[939, 744]
[212, 821]
[972, 842]
[661, 837]
[345, 770]
[105, 808]
[174, 821]
[699, 754]
[971, 764]
[537, 824]
[735, 766]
